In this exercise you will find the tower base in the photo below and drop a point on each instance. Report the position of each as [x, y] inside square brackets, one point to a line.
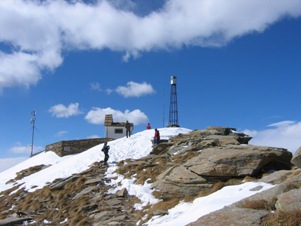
[173, 125]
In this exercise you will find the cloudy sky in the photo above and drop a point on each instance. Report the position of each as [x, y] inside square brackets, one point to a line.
[237, 64]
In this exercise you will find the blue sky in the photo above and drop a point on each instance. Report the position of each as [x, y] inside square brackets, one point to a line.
[237, 65]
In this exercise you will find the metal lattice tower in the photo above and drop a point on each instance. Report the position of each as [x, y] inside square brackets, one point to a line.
[173, 109]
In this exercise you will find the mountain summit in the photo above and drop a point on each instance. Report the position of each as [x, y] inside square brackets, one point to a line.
[184, 179]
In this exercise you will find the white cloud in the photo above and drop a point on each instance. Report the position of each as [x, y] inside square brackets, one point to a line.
[36, 32]
[285, 134]
[93, 136]
[130, 54]
[61, 133]
[24, 149]
[61, 111]
[23, 74]
[133, 89]
[95, 86]
[109, 91]
[20, 149]
[97, 116]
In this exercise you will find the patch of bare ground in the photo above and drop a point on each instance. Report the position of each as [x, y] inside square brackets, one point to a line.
[276, 217]
[144, 170]
[280, 218]
[8, 199]
[78, 200]
[54, 206]
[260, 204]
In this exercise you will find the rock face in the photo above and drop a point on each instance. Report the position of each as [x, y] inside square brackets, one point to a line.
[184, 168]
[296, 160]
[238, 161]
[219, 157]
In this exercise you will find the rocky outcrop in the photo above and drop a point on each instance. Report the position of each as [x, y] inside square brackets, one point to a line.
[219, 156]
[238, 161]
[232, 216]
[279, 205]
[184, 168]
[296, 160]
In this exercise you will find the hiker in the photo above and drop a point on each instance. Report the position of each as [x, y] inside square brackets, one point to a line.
[128, 129]
[148, 126]
[105, 150]
[157, 137]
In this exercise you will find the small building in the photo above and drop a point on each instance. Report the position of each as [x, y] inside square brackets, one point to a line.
[68, 147]
[115, 130]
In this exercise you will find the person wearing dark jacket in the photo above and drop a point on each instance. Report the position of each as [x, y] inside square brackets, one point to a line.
[105, 150]
[128, 129]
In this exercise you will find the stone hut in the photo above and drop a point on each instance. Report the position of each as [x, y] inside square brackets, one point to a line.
[68, 147]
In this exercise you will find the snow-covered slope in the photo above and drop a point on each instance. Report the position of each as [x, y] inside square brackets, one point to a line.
[134, 147]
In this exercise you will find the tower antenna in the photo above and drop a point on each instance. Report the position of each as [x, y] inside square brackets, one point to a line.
[32, 121]
[173, 109]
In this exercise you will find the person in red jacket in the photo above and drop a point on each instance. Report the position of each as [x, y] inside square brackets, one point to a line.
[148, 126]
[157, 137]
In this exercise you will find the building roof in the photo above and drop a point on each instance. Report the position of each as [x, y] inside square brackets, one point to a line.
[109, 122]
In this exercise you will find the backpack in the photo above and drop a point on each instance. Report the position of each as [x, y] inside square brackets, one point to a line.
[106, 148]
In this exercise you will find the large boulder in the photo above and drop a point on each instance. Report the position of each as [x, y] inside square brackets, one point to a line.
[289, 201]
[232, 216]
[296, 160]
[178, 181]
[219, 164]
[239, 161]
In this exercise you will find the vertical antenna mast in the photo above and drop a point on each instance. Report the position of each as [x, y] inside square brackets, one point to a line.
[173, 110]
[32, 121]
